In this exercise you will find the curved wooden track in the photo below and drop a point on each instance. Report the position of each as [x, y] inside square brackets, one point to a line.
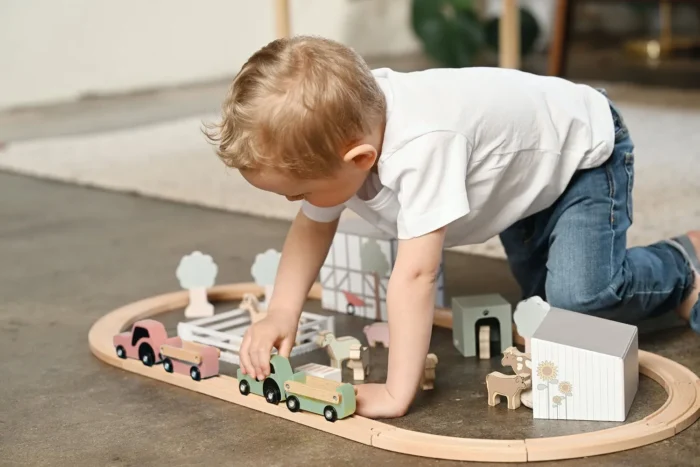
[681, 409]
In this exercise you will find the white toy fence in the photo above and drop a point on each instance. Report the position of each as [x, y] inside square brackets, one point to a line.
[225, 331]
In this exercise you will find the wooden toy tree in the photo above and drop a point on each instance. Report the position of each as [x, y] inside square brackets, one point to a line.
[375, 263]
[528, 315]
[264, 271]
[197, 272]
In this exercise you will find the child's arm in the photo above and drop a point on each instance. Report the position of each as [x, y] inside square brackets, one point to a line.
[304, 251]
[411, 303]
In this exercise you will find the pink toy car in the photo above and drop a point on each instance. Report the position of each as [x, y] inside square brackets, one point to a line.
[142, 342]
[190, 358]
[377, 333]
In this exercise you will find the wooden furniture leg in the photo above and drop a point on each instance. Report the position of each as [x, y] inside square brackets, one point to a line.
[509, 35]
[560, 38]
[282, 18]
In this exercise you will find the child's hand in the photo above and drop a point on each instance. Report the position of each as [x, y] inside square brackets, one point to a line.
[271, 331]
[375, 401]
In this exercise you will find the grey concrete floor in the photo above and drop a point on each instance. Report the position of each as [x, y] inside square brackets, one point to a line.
[71, 254]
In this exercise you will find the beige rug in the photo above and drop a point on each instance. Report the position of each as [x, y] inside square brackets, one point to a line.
[172, 161]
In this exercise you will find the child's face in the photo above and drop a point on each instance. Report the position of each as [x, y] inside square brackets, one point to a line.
[321, 192]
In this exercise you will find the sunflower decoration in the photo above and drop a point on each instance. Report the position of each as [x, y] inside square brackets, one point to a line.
[557, 400]
[547, 371]
[565, 388]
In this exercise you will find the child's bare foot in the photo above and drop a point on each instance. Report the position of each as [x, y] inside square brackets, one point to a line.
[686, 307]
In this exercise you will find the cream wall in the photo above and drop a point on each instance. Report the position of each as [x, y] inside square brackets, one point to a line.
[58, 50]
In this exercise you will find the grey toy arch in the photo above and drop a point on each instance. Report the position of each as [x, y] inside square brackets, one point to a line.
[468, 311]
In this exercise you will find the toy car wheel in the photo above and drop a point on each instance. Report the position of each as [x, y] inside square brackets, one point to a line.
[168, 365]
[146, 355]
[244, 387]
[350, 309]
[330, 414]
[272, 392]
[121, 353]
[195, 374]
[293, 404]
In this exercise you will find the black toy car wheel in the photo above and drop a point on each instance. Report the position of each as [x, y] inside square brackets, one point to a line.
[272, 392]
[121, 353]
[195, 374]
[168, 365]
[146, 355]
[350, 309]
[293, 404]
[244, 387]
[330, 414]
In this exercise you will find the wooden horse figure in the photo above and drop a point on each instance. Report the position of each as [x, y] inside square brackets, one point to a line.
[338, 348]
[251, 304]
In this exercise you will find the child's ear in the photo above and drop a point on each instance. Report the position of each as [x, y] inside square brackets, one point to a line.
[363, 156]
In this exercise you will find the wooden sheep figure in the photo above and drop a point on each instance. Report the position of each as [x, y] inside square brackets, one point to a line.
[359, 362]
[508, 386]
[338, 348]
[251, 304]
[427, 382]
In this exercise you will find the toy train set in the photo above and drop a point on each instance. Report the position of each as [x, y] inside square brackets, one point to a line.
[543, 372]
[299, 390]
[680, 410]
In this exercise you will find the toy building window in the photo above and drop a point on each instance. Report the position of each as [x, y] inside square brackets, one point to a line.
[272, 369]
[138, 334]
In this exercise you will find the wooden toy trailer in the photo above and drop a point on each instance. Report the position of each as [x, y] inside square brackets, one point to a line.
[190, 358]
[331, 399]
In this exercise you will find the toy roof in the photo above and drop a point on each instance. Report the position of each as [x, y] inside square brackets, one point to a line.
[586, 332]
[360, 227]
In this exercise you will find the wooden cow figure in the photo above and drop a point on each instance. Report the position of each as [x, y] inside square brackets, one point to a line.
[427, 382]
[508, 386]
[520, 362]
[359, 362]
[338, 348]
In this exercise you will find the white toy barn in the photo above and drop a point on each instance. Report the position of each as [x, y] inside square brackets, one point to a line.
[583, 367]
[355, 274]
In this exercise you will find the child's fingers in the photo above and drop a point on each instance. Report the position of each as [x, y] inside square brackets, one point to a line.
[245, 364]
[285, 347]
[261, 361]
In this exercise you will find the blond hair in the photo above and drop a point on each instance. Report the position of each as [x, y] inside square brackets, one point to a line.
[296, 105]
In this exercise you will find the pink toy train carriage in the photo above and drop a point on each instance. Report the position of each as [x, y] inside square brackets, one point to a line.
[142, 342]
[148, 341]
[190, 358]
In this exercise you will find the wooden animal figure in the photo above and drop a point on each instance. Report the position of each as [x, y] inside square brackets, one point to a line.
[359, 362]
[427, 382]
[251, 304]
[508, 386]
[338, 348]
[377, 333]
[520, 362]
[484, 342]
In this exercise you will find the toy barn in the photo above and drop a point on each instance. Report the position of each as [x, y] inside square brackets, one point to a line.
[584, 367]
[355, 274]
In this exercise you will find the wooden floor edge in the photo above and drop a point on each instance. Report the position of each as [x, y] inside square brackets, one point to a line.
[686, 409]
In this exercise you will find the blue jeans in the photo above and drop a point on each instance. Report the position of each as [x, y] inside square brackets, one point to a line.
[574, 254]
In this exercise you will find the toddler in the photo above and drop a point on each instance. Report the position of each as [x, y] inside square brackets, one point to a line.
[440, 158]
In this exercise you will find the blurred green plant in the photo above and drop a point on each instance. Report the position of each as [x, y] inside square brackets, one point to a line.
[453, 34]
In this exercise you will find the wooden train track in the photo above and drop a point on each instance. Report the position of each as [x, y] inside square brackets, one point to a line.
[681, 409]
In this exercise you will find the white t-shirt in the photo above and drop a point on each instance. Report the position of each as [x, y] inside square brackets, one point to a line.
[477, 149]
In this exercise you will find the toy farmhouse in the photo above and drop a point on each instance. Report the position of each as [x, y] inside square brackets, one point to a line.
[583, 367]
[355, 274]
